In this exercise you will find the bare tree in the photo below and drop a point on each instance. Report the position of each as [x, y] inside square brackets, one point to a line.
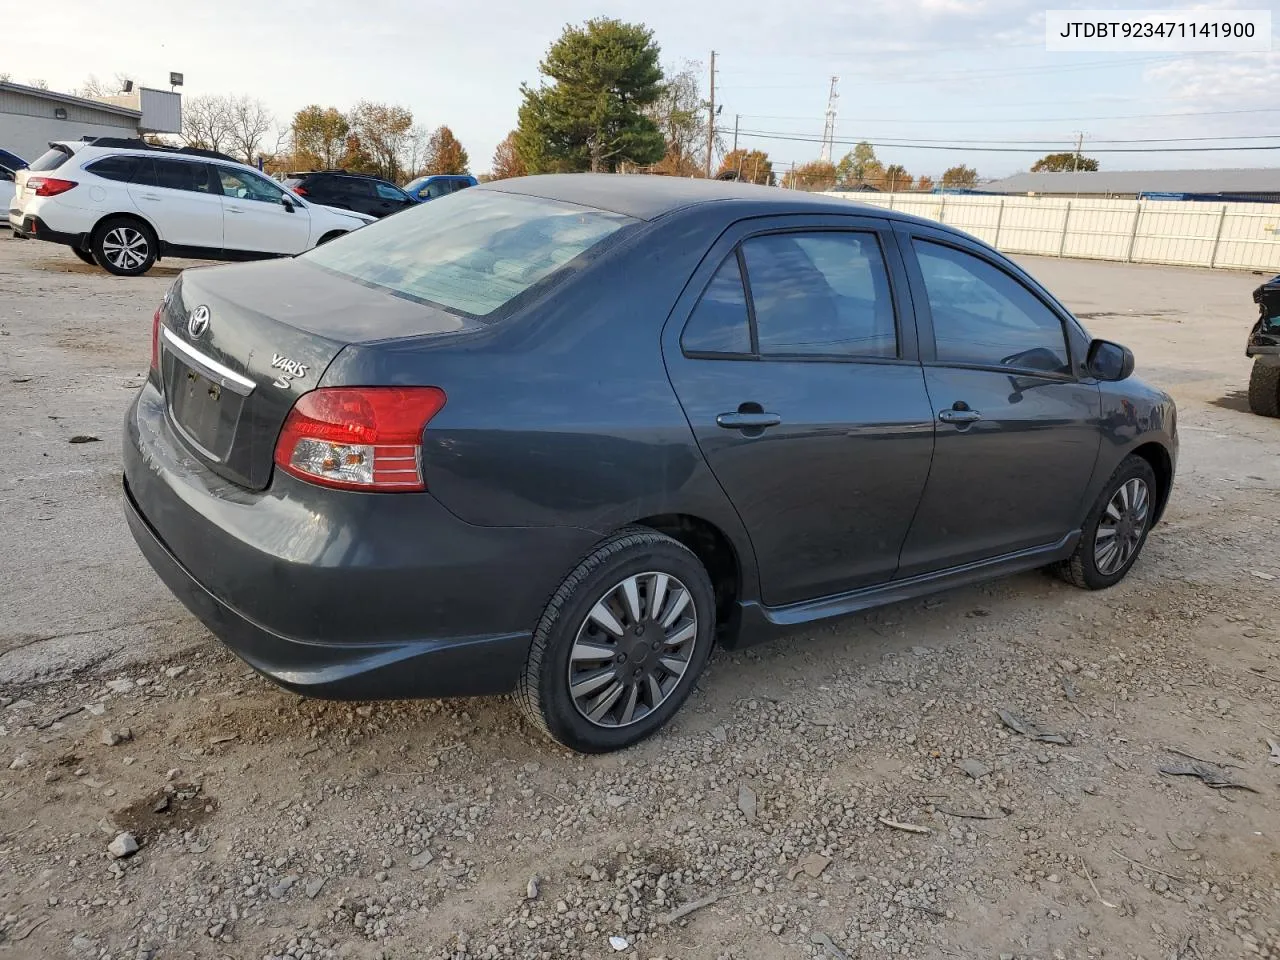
[416, 150]
[5, 76]
[38, 84]
[95, 89]
[207, 122]
[250, 122]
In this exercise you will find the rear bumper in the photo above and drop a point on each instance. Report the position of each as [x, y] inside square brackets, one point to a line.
[339, 594]
[33, 228]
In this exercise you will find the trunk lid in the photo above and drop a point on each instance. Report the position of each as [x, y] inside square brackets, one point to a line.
[239, 345]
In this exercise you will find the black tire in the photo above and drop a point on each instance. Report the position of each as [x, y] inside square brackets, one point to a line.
[545, 686]
[334, 235]
[85, 255]
[1264, 389]
[125, 246]
[1082, 567]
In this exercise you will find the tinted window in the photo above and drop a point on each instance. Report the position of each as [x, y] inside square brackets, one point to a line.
[719, 323]
[387, 192]
[50, 160]
[243, 185]
[115, 168]
[438, 188]
[182, 175]
[472, 254]
[354, 186]
[461, 184]
[821, 294]
[982, 315]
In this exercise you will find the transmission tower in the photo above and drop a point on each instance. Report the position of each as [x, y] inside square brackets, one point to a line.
[829, 131]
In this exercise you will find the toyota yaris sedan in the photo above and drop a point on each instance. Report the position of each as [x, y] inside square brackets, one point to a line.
[560, 435]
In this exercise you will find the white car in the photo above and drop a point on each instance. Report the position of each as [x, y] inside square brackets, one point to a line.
[123, 204]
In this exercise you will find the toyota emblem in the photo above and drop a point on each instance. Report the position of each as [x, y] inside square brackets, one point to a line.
[198, 322]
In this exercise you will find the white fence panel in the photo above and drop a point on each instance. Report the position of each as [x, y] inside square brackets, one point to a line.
[1239, 236]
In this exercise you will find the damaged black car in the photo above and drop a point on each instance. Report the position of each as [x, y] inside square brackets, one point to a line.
[1264, 347]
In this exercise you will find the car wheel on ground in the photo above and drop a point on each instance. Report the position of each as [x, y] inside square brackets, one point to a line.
[124, 246]
[1264, 389]
[85, 255]
[621, 643]
[1115, 529]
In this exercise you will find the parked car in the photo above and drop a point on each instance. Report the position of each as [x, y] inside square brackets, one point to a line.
[10, 164]
[558, 435]
[351, 191]
[438, 185]
[1264, 348]
[124, 204]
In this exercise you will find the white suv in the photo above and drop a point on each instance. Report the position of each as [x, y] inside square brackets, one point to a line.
[123, 204]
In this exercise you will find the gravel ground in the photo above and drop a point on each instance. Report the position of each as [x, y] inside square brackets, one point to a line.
[853, 791]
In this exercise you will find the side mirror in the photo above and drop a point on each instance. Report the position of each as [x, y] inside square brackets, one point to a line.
[288, 202]
[1109, 361]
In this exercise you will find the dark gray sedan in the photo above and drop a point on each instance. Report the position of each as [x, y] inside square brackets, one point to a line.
[560, 435]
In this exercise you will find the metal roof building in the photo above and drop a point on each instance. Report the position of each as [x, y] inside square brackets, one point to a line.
[1257, 185]
[30, 117]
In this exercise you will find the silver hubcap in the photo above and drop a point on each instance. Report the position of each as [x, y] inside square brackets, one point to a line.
[125, 248]
[1122, 527]
[632, 649]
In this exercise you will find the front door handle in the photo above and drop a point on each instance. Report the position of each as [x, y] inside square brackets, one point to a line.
[743, 420]
[959, 416]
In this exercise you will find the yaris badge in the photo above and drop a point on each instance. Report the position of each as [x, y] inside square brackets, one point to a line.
[290, 370]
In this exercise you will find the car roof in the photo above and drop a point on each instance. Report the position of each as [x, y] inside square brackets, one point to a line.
[647, 197]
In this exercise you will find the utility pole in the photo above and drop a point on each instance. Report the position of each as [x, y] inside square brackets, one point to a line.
[711, 116]
[736, 118]
[1075, 165]
[829, 131]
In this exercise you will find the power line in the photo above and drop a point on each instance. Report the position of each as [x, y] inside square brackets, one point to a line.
[977, 149]
[1128, 116]
[1043, 141]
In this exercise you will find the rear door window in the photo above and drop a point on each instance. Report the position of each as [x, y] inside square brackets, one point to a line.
[182, 175]
[356, 187]
[821, 294]
[474, 254]
[438, 188]
[720, 323]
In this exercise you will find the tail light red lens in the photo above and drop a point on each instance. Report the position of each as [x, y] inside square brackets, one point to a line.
[49, 186]
[155, 339]
[300, 191]
[359, 438]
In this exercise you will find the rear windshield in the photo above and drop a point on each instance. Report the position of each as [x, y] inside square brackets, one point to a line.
[51, 159]
[471, 252]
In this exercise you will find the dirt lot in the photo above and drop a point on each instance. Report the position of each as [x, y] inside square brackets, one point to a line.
[272, 826]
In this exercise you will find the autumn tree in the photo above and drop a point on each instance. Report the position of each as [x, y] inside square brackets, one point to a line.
[207, 123]
[680, 115]
[925, 184]
[382, 131]
[603, 76]
[816, 175]
[506, 159]
[749, 166]
[445, 154]
[858, 165]
[319, 137]
[960, 176]
[895, 177]
[1060, 162]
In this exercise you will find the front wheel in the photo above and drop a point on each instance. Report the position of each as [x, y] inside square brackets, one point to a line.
[620, 644]
[1264, 388]
[125, 247]
[1116, 528]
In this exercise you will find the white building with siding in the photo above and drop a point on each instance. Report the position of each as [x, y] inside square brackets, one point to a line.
[31, 117]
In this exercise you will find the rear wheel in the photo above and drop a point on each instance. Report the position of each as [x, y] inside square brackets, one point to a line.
[620, 644]
[85, 255]
[1116, 528]
[1264, 389]
[125, 247]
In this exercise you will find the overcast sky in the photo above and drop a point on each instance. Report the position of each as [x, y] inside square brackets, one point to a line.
[909, 69]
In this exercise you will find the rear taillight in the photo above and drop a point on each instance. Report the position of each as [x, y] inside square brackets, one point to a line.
[49, 186]
[300, 191]
[359, 438]
[155, 339]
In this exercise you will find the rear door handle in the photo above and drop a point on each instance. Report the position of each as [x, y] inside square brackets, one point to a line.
[747, 421]
[959, 416]
[149, 196]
